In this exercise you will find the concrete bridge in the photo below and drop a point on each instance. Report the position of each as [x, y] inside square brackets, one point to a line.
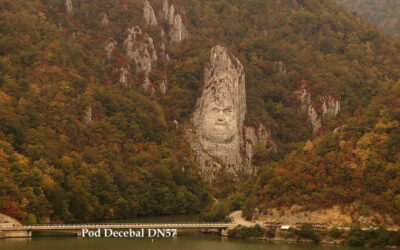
[19, 231]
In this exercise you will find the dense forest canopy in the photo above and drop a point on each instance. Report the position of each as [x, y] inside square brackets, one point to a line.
[128, 158]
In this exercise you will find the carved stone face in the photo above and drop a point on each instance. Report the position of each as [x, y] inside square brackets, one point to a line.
[220, 121]
[219, 116]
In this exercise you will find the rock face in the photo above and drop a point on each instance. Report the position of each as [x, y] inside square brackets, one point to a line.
[219, 116]
[280, 68]
[105, 21]
[330, 107]
[88, 115]
[178, 31]
[123, 77]
[163, 86]
[140, 48]
[304, 95]
[109, 48]
[165, 8]
[171, 14]
[257, 136]
[69, 6]
[148, 14]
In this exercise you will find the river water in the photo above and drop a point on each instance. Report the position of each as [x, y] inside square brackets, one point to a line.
[186, 240]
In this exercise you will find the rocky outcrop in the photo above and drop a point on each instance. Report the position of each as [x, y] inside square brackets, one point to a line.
[162, 34]
[163, 85]
[148, 14]
[165, 8]
[140, 48]
[69, 6]
[148, 87]
[280, 68]
[123, 77]
[257, 137]
[304, 95]
[219, 116]
[162, 50]
[330, 107]
[178, 31]
[171, 14]
[109, 48]
[87, 118]
[105, 21]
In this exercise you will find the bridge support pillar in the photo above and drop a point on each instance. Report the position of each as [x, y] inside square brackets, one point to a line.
[2, 236]
[78, 233]
[223, 232]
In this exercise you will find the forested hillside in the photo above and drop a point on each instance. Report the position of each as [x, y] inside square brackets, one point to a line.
[385, 14]
[76, 144]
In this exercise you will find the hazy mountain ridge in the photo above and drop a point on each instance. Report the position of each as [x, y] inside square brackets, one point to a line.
[385, 14]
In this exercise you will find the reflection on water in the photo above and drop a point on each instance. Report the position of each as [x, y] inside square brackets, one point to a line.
[192, 240]
[187, 240]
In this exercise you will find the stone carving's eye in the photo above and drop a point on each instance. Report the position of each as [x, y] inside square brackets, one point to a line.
[227, 111]
[215, 110]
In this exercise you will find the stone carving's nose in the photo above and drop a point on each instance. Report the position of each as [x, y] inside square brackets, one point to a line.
[221, 115]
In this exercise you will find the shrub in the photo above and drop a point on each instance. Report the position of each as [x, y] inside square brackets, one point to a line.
[309, 233]
[271, 232]
[246, 232]
[356, 236]
[335, 233]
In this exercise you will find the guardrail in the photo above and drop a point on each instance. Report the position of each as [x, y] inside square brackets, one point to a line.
[200, 225]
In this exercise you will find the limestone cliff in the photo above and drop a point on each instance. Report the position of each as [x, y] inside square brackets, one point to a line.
[280, 68]
[148, 14]
[88, 118]
[330, 106]
[165, 7]
[304, 95]
[219, 116]
[163, 85]
[257, 136]
[105, 21]
[140, 48]
[123, 78]
[178, 31]
[69, 6]
[109, 48]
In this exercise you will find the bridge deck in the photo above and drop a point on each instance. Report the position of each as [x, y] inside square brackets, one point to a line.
[58, 227]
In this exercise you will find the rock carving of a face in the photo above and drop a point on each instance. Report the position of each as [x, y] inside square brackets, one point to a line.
[219, 115]
[219, 121]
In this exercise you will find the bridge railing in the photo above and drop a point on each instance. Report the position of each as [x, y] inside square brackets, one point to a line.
[123, 225]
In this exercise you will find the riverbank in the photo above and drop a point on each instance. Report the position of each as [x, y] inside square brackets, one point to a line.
[322, 233]
[377, 238]
[307, 241]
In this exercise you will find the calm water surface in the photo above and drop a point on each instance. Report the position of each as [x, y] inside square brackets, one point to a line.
[186, 240]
